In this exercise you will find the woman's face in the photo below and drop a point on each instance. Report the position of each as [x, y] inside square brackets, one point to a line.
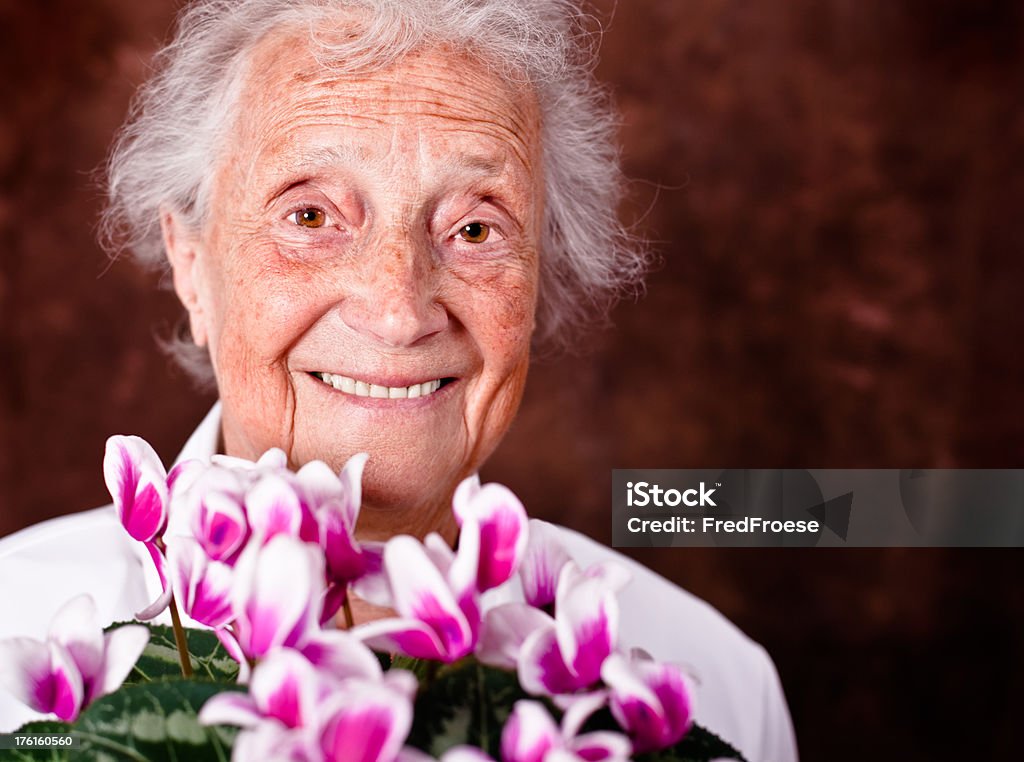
[367, 277]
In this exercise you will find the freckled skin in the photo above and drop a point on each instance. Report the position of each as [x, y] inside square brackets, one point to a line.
[399, 161]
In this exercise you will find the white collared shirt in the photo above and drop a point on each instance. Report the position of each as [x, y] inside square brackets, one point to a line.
[739, 696]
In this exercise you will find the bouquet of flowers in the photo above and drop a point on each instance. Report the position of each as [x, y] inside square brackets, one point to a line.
[500, 649]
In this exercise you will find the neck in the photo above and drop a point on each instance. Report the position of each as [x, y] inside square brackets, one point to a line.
[380, 525]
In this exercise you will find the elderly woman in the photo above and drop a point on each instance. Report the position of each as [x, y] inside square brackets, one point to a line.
[372, 210]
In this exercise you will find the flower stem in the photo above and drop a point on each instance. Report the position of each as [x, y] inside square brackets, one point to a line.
[180, 641]
[349, 621]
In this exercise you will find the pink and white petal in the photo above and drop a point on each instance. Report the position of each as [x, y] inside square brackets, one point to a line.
[529, 733]
[342, 655]
[613, 575]
[626, 682]
[211, 602]
[273, 508]
[277, 595]
[562, 755]
[542, 564]
[203, 587]
[186, 499]
[234, 649]
[121, 649]
[137, 482]
[64, 688]
[220, 525]
[76, 626]
[230, 708]
[503, 533]
[334, 597]
[542, 671]
[465, 754]
[505, 629]
[577, 709]
[651, 701]
[182, 475]
[602, 745]
[351, 478]
[345, 560]
[25, 669]
[465, 568]
[164, 599]
[274, 458]
[373, 586]
[285, 686]
[318, 483]
[410, 637]
[422, 593]
[232, 462]
[674, 692]
[270, 740]
[439, 552]
[463, 497]
[587, 624]
[402, 682]
[367, 722]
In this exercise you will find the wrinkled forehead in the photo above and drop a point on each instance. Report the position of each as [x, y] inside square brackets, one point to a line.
[290, 90]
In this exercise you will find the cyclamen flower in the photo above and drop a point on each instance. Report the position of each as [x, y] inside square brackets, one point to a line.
[276, 595]
[502, 525]
[295, 711]
[202, 585]
[75, 665]
[561, 654]
[531, 735]
[543, 562]
[649, 700]
[435, 591]
[235, 504]
[141, 490]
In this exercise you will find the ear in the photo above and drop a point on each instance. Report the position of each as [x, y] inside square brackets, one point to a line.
[184, 254]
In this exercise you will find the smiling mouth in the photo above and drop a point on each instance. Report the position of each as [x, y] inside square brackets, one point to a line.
[358, 388]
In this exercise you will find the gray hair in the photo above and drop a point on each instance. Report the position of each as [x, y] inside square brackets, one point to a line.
[162, 156]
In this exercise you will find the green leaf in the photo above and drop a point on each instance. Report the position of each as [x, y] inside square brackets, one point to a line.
[159, 660]
[699, 745]
[468, 702]
[465, 703]
[155, 722]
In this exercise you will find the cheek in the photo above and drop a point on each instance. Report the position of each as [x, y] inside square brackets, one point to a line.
[500, 303]
[268, 303]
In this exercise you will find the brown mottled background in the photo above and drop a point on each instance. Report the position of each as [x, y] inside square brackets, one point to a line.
[835, 187]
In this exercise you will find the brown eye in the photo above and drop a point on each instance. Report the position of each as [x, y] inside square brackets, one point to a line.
[310, 217]
[475, 232]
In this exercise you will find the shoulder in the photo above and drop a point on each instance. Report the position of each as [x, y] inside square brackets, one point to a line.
[739, 695]
[45, 565]
[87, 552]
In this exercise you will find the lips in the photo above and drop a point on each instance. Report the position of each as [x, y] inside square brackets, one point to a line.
[359, 388]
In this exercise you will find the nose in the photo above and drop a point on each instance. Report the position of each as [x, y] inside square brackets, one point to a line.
[393, 300]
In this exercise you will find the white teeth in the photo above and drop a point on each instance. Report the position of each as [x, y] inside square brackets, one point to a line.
[364, 389]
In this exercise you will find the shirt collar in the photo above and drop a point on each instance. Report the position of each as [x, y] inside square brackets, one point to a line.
[202, 445]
